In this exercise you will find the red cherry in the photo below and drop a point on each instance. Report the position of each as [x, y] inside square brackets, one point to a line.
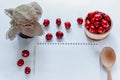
[87, 22]
[87, 26]
[67, 25]
[80, 21]
[59, 34]
[90, 15]
[20, 62]
[105, 24]
[49, 36]
[46, 22]
[97, 24]
[93, 20]
[106, 17]
[98, 17]
[58, 21]
[25, 53]
[92, 29]
[27, 70]
[101, 30]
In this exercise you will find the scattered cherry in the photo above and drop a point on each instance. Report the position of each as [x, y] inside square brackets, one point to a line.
[25, 53]
[27, 70]
[58, 21]
[80, 21]
[67, 25]
[46, 22]
[49, 36]
[20, 62]
[59, 34]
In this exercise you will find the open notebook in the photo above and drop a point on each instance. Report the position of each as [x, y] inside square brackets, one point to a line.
[66, 62]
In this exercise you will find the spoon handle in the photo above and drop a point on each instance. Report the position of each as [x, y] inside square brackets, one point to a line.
[109, 75]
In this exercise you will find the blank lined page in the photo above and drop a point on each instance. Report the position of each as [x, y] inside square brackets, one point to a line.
[66, 62]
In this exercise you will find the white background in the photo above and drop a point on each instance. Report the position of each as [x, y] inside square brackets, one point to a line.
[67, 10]
[67, 62]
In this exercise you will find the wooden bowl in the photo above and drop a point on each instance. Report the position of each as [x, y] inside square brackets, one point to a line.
[97, 36]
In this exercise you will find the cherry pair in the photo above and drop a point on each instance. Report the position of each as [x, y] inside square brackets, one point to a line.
[20, 62]
[59, 35]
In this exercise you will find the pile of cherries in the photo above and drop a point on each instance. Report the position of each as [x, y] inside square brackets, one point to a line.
[20, 62]
[97, 22]
[59, 34]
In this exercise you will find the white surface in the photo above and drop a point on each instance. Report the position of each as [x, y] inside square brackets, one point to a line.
[67, 10]
[9, 55]
[66, 62]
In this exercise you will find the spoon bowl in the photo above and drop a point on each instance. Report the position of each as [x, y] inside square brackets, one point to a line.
[108, 59]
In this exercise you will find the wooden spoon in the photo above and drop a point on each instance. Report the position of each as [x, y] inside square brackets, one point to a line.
[108, 58]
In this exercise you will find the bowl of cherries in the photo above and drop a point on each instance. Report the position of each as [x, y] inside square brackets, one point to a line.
[97, 25]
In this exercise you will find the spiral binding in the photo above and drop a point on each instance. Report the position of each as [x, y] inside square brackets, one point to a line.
[67, 43]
